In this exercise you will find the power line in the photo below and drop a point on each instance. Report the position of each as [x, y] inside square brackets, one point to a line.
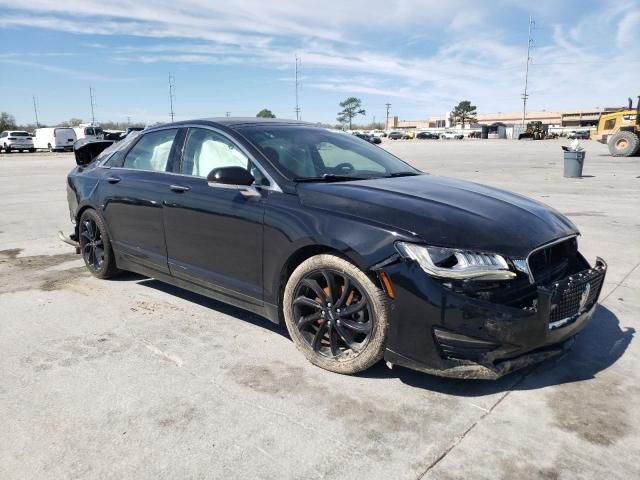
[92, 98]
[35, 110]
[172, 95]
[297, 109]
[532, 25]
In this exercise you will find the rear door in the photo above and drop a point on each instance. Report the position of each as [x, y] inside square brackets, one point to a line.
[64, 137]
[133, 195]
[213, 233]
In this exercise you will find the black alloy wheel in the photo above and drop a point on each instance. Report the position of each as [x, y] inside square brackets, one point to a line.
[336, 314]
[95, 245]
[332, 314]
[92, 244]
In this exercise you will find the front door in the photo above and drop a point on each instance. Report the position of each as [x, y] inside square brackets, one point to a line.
[133, 197]
[213, 233]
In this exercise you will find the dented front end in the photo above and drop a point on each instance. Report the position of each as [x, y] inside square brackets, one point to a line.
[484, 330]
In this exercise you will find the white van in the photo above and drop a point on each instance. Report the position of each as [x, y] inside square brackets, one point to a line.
[89, 131]
[54, 138]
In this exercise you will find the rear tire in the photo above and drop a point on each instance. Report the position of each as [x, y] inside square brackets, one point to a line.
[336, 315]
[95, 245]
[624, 144]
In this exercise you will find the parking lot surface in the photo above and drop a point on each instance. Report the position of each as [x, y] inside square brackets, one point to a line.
[132, 378]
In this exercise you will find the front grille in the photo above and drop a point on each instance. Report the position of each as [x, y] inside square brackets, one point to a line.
[575, 295]
[553, 262]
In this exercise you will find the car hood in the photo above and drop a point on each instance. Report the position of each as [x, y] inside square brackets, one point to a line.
[445, 212]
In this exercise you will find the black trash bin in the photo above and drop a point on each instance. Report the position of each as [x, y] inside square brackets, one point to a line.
[573, 163]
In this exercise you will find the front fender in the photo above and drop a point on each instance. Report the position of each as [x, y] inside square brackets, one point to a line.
[289, 227]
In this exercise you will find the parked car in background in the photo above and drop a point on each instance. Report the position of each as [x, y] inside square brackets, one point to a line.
[54, 138]
[449, 135]
[367, 137]
[88, 131]
[409, 134]
[379, 133]
[359, 254]
[395, 135]
[582, 135]
[16, 140]
[427, 136]
[114, 135]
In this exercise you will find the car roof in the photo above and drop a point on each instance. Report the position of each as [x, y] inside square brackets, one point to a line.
[235, 122]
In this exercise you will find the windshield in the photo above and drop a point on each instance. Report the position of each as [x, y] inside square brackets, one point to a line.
[315, 153]
[19, 134]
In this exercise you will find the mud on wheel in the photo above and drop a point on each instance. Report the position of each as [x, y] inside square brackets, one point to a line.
[336, 315]
[95, 245]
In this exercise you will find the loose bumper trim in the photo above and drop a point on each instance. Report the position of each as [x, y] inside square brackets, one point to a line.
[443, 332]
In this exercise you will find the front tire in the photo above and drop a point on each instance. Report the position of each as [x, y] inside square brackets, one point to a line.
[624, 144]
[336, 315]
[95, 245]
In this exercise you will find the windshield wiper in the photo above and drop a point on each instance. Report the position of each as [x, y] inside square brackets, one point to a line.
[329, 177]
[403, 174]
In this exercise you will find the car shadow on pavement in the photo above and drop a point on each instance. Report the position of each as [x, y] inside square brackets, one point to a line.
[596, 348]
[207, 302]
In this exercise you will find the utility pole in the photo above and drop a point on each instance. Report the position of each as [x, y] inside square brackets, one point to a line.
[228, 114]
[172, 95]
[92, 97]
[386, 125]
[128, 120]
[297, 109]
[35, 109]
[525, 95]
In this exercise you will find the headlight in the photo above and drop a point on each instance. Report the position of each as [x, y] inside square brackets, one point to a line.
[457, 264]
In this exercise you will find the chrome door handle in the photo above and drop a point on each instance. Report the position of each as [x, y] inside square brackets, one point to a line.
[113, 179]
[178, 188]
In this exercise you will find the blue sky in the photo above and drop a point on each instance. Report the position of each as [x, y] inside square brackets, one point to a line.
[421, 56]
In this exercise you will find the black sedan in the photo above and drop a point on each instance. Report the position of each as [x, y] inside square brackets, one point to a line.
[427, 136]
[368, 138]
[360, 255]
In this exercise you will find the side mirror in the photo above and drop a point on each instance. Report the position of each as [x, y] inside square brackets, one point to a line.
[230, 176]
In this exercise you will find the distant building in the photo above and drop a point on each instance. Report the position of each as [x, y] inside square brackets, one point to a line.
[566, 118]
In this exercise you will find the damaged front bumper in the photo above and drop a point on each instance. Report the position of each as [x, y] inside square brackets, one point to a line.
[446, 333]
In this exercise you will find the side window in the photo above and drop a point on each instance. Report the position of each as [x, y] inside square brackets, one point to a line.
[152, 151]
[3, 134]
[609, 124]
[205, 150]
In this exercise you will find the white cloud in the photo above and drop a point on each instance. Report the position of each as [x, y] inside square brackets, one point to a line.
[63, 71]
[458, 49]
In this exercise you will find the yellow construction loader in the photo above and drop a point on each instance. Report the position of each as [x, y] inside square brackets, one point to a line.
[620, 131]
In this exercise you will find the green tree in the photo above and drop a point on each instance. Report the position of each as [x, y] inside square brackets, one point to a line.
[265, 113]
[7, 121]
[464, 112]
[72, 122]
[351, 108]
